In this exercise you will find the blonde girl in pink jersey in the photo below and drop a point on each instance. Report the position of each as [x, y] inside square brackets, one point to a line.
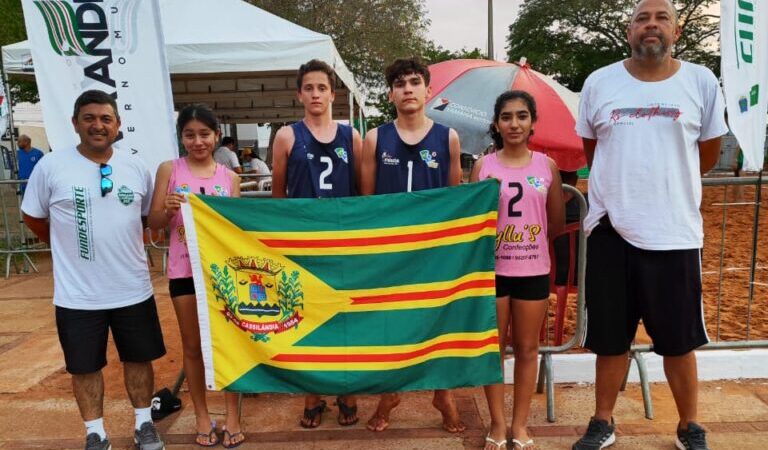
[196, 173]
[531, 210]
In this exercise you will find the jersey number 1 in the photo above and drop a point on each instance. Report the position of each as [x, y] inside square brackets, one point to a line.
[410, 176]
[325, 173]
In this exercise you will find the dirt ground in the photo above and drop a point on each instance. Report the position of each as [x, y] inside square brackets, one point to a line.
[726, 291]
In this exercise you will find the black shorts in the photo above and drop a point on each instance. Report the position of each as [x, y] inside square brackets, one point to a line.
[625, 284]
[181, 286]
[83, 335]
[523, 288]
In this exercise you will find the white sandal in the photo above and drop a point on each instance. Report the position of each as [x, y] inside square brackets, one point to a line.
[497, 444]
[522, 445]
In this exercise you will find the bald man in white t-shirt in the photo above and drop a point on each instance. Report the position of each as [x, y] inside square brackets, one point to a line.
[651, 125]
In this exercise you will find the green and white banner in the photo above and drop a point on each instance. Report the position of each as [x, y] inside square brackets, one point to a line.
[744, 48]
[115, 46]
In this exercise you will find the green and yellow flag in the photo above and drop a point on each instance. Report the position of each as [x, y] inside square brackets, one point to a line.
[347, 295]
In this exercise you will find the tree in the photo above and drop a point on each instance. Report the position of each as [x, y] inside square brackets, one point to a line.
[13, 31]
[569, 39]
[368, 33]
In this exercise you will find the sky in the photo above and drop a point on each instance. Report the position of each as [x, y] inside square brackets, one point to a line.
[464, 23]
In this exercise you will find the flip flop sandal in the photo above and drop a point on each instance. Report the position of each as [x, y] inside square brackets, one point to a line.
[211, 436]
[346, 411]
[230, 437]
[311, 414]
[522, 445]
[495, 443]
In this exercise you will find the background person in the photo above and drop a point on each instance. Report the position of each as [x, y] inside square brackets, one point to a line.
[27, 158]
[226, 155]
[259, 166]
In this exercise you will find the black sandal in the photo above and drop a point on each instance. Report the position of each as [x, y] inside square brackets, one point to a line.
[211, 437]
[311, 414]
[346, 411]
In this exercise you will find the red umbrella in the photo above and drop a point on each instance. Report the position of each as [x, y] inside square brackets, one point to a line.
[464, 91]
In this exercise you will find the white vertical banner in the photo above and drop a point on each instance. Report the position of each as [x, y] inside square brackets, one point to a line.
[744, 66]
[115, 46]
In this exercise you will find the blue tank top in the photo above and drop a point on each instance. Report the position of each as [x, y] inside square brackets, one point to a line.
[320, 170]
[402, 167]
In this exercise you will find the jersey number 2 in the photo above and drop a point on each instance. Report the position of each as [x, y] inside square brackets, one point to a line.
[325, 173]
[515, 198]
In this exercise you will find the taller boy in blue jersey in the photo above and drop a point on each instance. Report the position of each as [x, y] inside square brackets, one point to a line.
[317, 158]
[410, 154]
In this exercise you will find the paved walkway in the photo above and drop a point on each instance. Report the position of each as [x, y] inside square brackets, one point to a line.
[38, 411]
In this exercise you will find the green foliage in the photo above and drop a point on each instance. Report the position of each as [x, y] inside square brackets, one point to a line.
[12, 31]
[569, 39]
[289, 294]
[259, 337]
[224, 287]
[368, 33]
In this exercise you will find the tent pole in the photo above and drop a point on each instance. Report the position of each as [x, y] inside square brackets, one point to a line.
[360, 121]
[14, 169]
[351, 109]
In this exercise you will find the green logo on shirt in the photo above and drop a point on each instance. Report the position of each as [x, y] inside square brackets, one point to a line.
[82, 221]
[125, 194]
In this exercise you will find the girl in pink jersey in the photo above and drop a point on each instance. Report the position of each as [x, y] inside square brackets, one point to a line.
[196, 173]
[530, 210]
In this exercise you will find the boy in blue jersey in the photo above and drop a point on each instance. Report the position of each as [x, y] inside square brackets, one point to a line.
[410, 154]
[317, 158]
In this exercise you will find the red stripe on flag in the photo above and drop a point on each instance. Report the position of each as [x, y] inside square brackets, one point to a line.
[380, 240]
[423, 295]
[390, 357]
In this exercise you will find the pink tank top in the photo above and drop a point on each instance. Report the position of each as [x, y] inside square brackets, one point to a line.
[522, 248]
[182, 181]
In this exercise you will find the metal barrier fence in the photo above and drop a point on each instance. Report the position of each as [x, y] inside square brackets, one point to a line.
[16, 239]
[546, 368]
[546, 372]
[637, 351]
[251, 182]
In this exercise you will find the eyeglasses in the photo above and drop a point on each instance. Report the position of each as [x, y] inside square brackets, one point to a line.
[106, 183]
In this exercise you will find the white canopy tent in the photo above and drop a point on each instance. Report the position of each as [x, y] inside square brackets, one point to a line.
[237, 58]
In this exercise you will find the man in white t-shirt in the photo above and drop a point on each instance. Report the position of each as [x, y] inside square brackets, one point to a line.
[88, 202]
[226, 156]
[259, 166]
[651, 126]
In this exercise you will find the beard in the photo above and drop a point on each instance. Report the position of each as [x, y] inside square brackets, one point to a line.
[651, 51]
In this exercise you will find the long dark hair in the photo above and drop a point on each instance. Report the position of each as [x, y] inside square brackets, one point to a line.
[502, 100]
[199, 112]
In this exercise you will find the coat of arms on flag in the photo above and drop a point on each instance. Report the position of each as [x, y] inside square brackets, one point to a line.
[270, 303]
[347, 295]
